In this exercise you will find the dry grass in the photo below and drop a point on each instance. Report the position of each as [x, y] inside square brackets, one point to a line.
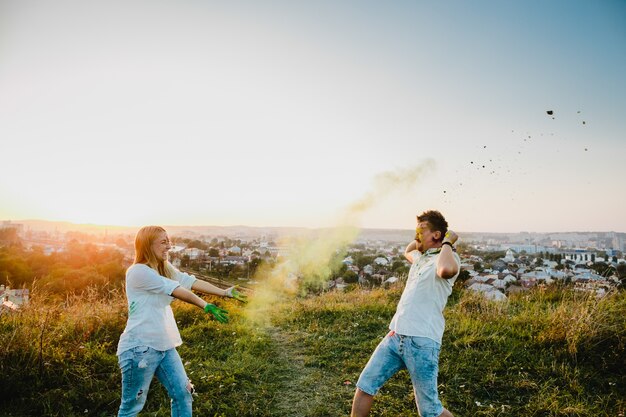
[552, 352]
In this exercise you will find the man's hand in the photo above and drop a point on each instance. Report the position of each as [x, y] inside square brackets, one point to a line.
[450, 237]
[219, 314]
[233, 292]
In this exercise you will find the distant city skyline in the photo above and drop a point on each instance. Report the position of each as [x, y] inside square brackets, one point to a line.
[26, 225]
[287, 114]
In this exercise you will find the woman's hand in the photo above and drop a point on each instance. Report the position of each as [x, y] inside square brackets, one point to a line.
[218, 313]
[233, 292]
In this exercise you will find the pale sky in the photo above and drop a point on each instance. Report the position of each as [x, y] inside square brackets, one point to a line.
[281, 113]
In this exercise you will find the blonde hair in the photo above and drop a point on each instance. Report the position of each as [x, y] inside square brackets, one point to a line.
[145, 255]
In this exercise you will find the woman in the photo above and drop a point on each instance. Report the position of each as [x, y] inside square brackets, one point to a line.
[147, 347]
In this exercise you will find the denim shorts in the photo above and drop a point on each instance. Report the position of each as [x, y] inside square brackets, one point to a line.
[419, 356]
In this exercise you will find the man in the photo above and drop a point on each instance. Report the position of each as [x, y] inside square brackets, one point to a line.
[417, 327]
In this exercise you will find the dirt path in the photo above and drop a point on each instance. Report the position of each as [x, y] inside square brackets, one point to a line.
[305, 390]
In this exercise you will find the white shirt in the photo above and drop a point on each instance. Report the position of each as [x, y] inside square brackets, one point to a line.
[150, 317]
[420, 309]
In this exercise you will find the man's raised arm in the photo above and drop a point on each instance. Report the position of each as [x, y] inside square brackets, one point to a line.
[410, 248]
[447, 266]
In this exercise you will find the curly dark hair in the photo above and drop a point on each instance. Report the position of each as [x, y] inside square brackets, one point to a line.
[436, 221]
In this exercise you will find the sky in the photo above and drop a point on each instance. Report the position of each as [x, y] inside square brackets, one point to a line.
[285, 113]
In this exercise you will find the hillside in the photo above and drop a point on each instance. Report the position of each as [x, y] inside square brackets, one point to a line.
[547, 353]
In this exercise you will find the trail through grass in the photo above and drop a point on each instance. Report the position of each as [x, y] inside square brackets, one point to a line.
[303, 390]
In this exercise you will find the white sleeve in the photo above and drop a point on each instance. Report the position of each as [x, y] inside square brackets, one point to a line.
[147, 279]
[416, 255]
[185, 280]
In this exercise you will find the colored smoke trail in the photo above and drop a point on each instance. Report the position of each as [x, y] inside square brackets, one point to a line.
[310, 263]
[313, 259]
[388, 182]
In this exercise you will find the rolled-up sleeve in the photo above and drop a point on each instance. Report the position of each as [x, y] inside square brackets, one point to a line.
[147, 279]
[185, 280]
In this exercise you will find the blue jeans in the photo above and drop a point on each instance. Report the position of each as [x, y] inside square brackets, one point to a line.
[419, 356]
[139, 365]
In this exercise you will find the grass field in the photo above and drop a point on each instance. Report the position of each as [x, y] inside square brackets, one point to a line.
[550, 352]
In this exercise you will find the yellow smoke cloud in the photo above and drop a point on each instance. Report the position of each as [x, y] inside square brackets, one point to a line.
[388, 182]
[313, 259]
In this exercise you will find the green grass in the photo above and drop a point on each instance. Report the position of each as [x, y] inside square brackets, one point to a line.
[546, 353]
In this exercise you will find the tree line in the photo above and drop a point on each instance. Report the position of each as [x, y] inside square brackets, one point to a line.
[76, 268]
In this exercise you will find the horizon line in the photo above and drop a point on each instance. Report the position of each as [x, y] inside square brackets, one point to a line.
[96, 225]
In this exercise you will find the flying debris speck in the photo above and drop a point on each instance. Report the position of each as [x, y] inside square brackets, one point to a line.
[485, 147]
[550, 112]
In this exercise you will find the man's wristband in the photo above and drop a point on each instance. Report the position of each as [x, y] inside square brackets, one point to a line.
[446, 243]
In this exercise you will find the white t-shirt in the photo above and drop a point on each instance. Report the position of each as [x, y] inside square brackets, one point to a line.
[420, 309]
[150, 317]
